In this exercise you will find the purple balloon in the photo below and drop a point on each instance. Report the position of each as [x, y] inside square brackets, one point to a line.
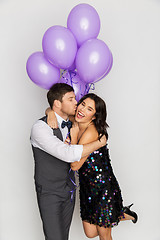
[72, 78]
[92, 60]
[84, 22]
[41, 72]
[59, 46]
[109, 68]
[72, 67]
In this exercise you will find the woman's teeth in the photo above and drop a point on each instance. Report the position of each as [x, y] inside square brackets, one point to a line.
[80, 114]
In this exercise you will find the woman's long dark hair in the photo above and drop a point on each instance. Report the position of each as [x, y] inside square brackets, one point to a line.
[100, 115]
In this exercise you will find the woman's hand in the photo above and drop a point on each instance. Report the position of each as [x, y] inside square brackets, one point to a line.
[103, 140]
[74, 131]
[75, 166]
[51, 119]
[68, 141]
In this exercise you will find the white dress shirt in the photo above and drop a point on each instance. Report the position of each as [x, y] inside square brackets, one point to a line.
[64, 130]
[43, 138]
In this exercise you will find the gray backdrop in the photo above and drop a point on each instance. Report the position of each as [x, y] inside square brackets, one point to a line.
[131, 91]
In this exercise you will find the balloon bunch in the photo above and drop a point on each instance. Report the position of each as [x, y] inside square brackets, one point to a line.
[76, 50]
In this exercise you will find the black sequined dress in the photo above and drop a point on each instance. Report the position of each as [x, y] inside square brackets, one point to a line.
[100, 194]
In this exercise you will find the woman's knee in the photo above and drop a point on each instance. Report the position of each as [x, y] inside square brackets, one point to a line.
[90, 233]
[105, 233]
[105, 237]
[90, 230]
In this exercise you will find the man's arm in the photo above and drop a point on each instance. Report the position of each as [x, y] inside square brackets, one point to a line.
[91, 147]
[89, 136]
[43, 138]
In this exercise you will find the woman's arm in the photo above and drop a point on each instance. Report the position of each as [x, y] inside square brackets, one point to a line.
[51, 118]
[89, 136]
[74, 131]
[48, 110]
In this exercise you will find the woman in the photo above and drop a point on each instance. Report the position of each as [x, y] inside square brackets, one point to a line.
[100, 195]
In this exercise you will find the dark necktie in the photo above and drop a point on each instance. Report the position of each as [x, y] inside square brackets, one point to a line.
[68, 124]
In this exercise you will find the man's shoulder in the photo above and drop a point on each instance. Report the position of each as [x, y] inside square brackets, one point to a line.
[44, 118]
[40, 122]
[40, 129]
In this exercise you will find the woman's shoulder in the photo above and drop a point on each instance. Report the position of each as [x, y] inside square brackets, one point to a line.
[89, 135]
[91, 130]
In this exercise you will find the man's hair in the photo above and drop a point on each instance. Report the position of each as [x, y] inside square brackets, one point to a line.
[57, 91]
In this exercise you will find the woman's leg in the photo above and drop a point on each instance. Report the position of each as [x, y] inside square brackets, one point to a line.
[104, 233]
[90, 229]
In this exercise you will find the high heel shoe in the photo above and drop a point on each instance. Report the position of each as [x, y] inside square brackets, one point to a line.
[130, 213]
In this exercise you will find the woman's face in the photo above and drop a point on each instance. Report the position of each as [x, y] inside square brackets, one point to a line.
[85, 111]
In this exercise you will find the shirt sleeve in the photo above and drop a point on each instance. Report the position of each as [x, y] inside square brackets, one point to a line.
[42, 137]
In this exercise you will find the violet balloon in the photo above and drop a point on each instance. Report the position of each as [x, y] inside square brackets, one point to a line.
[92, 60]
[41, 72]
[84, 22]
[72, 67]
[109, 68]
[72, 78]
[59, 46]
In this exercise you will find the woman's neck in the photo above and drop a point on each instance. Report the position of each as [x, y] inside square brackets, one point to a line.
[83, 126]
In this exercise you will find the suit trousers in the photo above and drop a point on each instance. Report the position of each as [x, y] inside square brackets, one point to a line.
[56, 210]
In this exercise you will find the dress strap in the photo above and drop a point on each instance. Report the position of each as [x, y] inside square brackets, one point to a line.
[84, 131]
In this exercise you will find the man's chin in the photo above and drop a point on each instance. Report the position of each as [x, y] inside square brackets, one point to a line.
[72, 113]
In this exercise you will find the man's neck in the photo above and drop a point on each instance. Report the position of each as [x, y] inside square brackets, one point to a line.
[61, 114]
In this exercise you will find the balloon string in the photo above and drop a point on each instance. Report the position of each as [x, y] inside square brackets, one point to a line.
[92, 86]
[63, 73]
[70, 74]
[76, 187]
[66, 79]
[69, 80]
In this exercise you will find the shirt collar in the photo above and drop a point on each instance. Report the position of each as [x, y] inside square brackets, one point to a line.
[60, 119]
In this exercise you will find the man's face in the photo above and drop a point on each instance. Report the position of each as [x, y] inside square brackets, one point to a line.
[69, 104]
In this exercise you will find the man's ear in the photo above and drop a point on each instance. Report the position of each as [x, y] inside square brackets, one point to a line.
[57, 103]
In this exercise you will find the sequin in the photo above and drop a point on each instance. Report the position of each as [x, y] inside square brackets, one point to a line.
[100, 195]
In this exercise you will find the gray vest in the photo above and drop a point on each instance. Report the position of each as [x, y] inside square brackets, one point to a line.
[50, 172]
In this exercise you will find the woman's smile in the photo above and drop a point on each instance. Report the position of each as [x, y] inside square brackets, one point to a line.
[85, 110]
[80, 115]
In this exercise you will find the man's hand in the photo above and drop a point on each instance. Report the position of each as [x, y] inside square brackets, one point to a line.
[74, 166]
[103, 140]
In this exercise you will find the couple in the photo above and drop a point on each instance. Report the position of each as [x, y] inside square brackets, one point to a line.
[54, 154]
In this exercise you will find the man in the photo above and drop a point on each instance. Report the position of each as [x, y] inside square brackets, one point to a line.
[53, 178]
